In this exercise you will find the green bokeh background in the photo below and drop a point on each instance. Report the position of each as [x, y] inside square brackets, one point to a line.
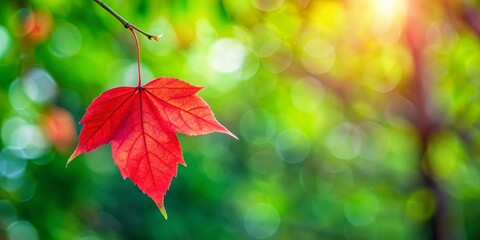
[357, 119]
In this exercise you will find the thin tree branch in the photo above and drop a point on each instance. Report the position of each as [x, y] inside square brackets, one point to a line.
[464, 12]
[125, 23]
[471, 16]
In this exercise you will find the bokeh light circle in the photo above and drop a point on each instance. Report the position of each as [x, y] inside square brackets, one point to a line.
[345, 141]
[276, 55]
[441, 36]
[377, 141]
[307, 94]
[421, 204]
[4, 40]
[382, 74]
[292, 145]
[66, 40]
[227, 55]
[39, 85]
[267, 6]
[257, 126]
[10, 166]
[318, 56]
[8, 214]
[261, 221]
[24, 140]
[22, 230]
[17, 97]
[361, 208]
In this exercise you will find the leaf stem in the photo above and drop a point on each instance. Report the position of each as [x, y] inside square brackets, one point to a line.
[125, 23]
[138, 55]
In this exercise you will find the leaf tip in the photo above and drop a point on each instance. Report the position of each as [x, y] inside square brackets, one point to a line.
[233, 135]
[230, 133]
[73, 156]
[68, 161]
[164, 212]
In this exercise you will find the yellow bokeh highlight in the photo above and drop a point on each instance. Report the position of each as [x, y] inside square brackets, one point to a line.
[329, 15]
[444, 155]
[420, 204]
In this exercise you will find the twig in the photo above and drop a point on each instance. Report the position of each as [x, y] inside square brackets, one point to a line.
[138, 56]
[125, 23]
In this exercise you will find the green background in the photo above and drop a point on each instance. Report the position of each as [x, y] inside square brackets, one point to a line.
[356, 119]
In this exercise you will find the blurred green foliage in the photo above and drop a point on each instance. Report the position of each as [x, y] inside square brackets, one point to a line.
[356, 119]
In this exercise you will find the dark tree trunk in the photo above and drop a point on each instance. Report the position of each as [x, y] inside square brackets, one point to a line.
[425, 122]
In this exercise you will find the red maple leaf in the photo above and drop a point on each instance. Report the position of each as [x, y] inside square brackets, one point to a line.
[141, 123]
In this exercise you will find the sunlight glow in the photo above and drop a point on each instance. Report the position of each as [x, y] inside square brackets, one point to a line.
[387, 20]
[388, 8]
